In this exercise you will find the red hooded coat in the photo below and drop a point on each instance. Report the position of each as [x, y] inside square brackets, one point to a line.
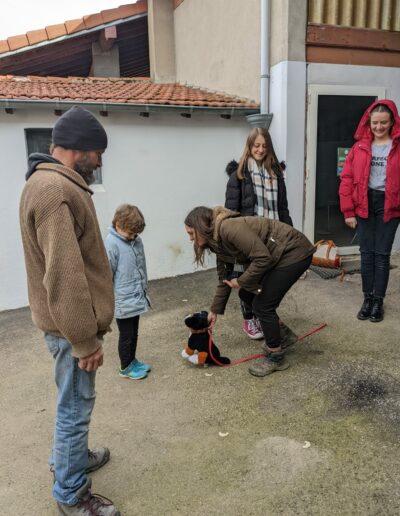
[353, 189]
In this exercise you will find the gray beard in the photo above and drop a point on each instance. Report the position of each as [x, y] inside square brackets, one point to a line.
[86, 173]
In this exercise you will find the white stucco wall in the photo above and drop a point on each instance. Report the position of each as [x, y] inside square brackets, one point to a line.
[288, 105]
[352, 75]
[165, 164]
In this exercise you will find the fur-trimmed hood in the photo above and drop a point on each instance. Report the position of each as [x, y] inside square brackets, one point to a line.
[233, 165]
[219, 215]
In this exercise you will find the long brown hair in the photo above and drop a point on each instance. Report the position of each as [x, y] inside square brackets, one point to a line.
[200, 219]
[270, 162]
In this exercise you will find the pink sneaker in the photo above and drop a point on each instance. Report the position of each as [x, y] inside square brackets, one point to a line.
[259, 327]
[252, 329]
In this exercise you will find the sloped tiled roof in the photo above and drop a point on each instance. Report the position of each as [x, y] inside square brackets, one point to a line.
[69, 27]
[114, 91]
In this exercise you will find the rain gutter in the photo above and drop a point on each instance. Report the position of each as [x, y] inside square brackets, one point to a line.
[122, 106]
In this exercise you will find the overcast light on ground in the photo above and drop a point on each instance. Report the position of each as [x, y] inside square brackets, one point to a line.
[21, 16]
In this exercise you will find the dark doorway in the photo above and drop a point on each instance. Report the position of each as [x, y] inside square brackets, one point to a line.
[338, 117]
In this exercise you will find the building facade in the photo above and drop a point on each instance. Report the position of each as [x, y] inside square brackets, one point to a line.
[172, 133]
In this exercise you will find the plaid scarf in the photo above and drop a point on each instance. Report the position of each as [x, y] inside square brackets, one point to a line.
[266, 190]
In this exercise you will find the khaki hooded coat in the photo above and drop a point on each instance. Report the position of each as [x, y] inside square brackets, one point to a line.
[257, 243]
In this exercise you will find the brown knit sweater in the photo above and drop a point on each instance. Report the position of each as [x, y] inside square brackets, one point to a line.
[69, 279]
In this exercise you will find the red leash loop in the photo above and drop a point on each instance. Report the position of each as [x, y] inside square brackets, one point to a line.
[259, 355]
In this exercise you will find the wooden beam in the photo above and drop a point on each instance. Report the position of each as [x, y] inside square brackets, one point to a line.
[351, 56]
[350, 37]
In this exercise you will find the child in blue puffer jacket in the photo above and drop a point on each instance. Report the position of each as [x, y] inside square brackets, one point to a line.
[128, 264]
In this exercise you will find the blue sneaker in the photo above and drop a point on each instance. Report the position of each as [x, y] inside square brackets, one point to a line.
[132, 374]
[140, 365]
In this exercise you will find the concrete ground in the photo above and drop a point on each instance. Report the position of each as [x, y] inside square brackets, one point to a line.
[321, 438]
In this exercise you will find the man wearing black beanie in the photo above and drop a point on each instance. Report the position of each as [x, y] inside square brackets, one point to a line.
[70, 295]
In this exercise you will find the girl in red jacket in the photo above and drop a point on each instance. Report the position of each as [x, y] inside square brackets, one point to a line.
[370, 199]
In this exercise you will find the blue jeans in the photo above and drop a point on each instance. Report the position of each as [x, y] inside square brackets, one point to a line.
[376, 241]
[75, 402]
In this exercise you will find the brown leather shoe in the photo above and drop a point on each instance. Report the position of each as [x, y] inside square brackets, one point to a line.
[89, 505]
[96, 459]
[266, 366]
[288, 337]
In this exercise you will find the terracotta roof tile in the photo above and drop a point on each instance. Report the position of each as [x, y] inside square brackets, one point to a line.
[4, 46]
[128, 10]
[36, 36]
[116, 90]
[55, 31]
[74, 25]
[110, 15]
[89, 21]
[92, 20]
[16, 42]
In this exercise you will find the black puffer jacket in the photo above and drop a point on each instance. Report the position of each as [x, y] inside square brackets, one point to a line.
[240, 195]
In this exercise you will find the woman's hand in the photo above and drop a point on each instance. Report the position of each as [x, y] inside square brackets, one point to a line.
[351, 222]
[233, 283]
[212, 318]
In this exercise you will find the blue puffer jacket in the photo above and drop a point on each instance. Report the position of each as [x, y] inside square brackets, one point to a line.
[128, 265]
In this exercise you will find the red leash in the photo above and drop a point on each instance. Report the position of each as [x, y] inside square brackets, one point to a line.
[259, 355]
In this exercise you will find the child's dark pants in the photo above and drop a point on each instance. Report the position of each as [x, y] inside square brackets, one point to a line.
[376, 241]
[274, 286]
[128, 336]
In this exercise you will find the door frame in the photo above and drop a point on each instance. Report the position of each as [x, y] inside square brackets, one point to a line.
[314, 90]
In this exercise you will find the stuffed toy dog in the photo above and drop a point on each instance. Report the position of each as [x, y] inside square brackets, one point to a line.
[197, 350]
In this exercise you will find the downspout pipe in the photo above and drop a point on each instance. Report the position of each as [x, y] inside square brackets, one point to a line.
[264, 118]
[264, 52]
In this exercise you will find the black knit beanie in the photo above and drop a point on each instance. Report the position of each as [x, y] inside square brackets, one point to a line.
[78, 129]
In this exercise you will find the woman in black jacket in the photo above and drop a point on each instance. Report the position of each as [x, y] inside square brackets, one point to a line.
[256, 186]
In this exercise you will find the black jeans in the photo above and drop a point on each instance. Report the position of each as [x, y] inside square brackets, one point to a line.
[376, 240]
[247, 310]
[127, 342]
[274, 286]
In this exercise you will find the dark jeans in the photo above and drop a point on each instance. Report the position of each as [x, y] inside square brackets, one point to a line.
[376, 240]
[127, 342]
[274, 286]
